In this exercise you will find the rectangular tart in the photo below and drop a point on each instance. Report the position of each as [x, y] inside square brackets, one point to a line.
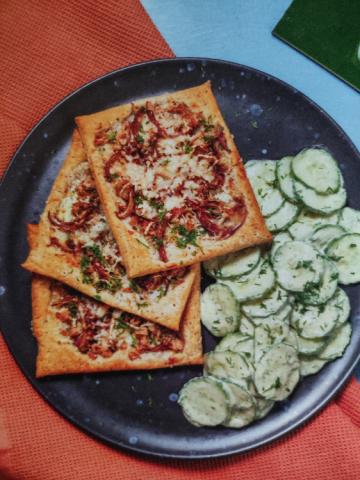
[76, 246]
[77, 334]
[171, 181]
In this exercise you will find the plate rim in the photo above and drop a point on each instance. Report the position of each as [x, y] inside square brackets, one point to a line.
[133, 448]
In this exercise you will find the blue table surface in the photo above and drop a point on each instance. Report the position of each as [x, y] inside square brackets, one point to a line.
[240, 31]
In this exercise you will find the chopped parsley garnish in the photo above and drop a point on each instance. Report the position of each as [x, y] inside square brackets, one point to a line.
[261, 193]
[140, 139]
[254, 124]
[84, 265]
[352, 245]
[336, 258]
[209, 139]
[322, 308]
[187, 147]
[73, 308]
[187, 237]
[139, 199]
[84, 262]
[277, 383]
[311, 289]
[113, 284]
[152, 339]
[159, 242]
[94, 251]
[97, 297]
[263, 269]
[120, 324]
[134, 286]
[91, 253]
[306, 264]
[159, 207]
[162, 292]
[111, 136]
[207, 124]
[142, 304]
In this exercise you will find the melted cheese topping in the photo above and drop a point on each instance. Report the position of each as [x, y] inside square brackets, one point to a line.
[92, 243]
[179, 166]
[97, 330]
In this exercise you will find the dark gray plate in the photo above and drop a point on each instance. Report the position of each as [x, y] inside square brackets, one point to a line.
[138, 411]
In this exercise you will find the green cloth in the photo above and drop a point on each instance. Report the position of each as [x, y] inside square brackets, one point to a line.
[328, 31]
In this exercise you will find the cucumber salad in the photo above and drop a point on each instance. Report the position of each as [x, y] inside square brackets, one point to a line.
[279, 312]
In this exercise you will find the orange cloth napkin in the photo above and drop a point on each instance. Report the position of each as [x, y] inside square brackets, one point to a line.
[48, 48]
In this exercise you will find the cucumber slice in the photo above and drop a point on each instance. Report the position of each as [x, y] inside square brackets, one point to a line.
[268, 305]
[281, 316]
[315, 294]
[338, 343]
[263, 407]
[277, 373]
[323, 234]
[204, 402]
[246, 327]
[233, 265]
[316, 202]
[282, 218]
[284, 178]
[350, 220]
[345, 251]
[306, 223]
[310, 365]
[261, 174]
[317, 169]
[341, 302]
[300, 230]
[241, 418]
[296, 265]
[219, 310]
[291, 339]
[256, 284]
[242, 405]
[314, 322]
[278, 240]
[309, 347]
[239, 397]
[229, 365]
[268, 335]
[238, 343]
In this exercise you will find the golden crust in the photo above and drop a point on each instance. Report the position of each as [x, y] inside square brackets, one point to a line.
[57, 355]
[40, 291]
[51, 262]
[137, 259]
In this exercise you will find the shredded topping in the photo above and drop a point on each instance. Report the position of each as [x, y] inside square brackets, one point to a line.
[170, 170]
[96, 329]
[79, 227]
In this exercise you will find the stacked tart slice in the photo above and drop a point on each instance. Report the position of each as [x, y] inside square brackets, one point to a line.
[147, 191]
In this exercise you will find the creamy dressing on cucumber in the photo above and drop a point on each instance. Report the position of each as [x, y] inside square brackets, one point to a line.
[301, 323]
